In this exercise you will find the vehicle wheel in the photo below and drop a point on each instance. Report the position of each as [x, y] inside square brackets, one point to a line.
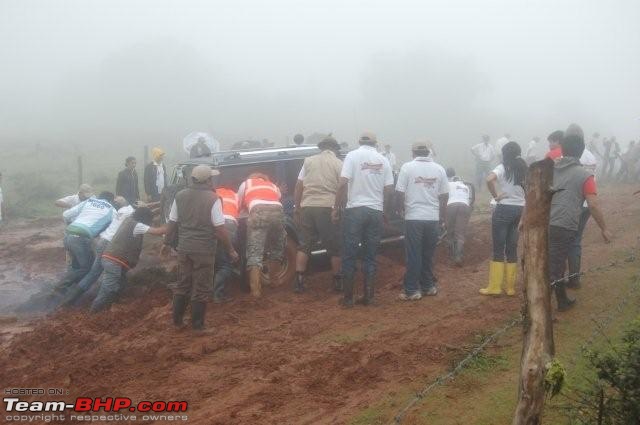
[288, 268]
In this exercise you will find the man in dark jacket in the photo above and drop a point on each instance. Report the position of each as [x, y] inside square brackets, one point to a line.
[127, 184]
[155, 176]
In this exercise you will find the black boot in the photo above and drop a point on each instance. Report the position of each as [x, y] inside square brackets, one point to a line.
[337, 283]
[574, 268]
[198, 309]
[298, 287]
[564, 302]
[179, 307]
[367, 297]
[347, 290]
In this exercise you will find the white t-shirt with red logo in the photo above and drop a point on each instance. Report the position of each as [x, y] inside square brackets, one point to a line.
[368, 173]
[422, 181]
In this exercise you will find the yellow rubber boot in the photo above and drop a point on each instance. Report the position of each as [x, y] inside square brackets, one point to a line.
[510, 276]
[496, 275]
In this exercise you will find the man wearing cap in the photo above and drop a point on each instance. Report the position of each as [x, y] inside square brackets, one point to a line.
[459, 206]
[315, 196]
[84, 192]
[124, 211]
[223, 263]
[155, 175]
[422, 193]
[265, 228]
[364, 191]
[196, 214]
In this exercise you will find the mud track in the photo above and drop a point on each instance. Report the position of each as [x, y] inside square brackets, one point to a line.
[284, 359]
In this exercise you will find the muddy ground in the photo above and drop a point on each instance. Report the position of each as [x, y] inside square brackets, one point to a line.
[286, 358]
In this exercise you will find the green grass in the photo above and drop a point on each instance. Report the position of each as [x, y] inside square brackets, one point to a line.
[485, 392]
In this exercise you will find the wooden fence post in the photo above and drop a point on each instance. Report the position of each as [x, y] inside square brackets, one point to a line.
[538, 348]
[80, 171]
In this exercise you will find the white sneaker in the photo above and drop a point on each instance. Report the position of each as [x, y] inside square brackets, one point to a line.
[432, 291]
[414, 297]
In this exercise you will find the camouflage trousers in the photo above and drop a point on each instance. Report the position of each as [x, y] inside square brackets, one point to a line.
[266, 236]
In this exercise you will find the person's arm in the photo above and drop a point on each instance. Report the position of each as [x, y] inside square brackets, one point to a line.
[73, 212]
[443, 197]
[492, 180]
[387, 200]
[136, 190]
[598, 216]
[64, 202]
[147, 179]
[158, 231]
[223, 236]
[399, 201]
[472, 193]
[297, 194]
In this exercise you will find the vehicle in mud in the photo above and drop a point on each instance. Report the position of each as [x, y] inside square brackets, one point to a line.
[282, 165]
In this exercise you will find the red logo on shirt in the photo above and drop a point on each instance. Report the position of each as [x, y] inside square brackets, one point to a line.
[425, 181]
[375, 168]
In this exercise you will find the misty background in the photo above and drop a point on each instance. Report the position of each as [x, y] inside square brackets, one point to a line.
[104, 78]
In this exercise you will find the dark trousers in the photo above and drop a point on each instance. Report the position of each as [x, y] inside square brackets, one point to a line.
[223, 264]
[420, 240]
[504, 229]
[195, 273]
[560, 241]
[458, 215]
[575, 251]
[362, 225]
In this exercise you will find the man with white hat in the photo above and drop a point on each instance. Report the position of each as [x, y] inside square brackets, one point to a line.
[197, 216]
[364, 191]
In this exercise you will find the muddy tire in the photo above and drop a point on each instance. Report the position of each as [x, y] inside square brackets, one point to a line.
[288, 269]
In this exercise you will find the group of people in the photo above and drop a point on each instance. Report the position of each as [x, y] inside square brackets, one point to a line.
[342, 203]
[574, 201]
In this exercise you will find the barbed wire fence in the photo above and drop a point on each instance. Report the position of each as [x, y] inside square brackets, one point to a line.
[599, 328]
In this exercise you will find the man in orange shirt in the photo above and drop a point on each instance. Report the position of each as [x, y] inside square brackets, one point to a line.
[265, 227]
[555, 150]
[224, 264]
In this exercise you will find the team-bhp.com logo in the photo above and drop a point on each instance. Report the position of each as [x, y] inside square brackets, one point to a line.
[85, 408]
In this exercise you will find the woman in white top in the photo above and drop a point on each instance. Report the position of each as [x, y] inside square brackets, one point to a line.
[506, 185]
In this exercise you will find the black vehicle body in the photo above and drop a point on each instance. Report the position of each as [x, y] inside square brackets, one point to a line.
[283, 166]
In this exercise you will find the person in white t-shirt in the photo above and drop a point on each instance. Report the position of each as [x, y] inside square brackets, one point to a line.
[391, 157]
[484, 154]
[461, 198]
[422, 192]
[366, 184]
[84, 192]
[506, 184]
[534, 151]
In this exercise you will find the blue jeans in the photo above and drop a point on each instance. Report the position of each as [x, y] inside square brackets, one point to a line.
[504, 228]
[420, 240]
[362, 225]
[224, 266]
[94, 274]
[81, 253]
[113, 279]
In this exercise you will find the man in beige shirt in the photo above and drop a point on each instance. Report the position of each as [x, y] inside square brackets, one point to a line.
[315, 196]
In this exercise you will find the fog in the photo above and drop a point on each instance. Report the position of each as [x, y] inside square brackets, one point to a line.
[128, 73]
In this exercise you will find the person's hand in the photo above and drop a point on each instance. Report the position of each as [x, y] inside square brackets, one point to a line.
[520, 226]
[297, 217]
[607, 236]
[233, 255]
[165, 251]
[500, 197]
[335, 216]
